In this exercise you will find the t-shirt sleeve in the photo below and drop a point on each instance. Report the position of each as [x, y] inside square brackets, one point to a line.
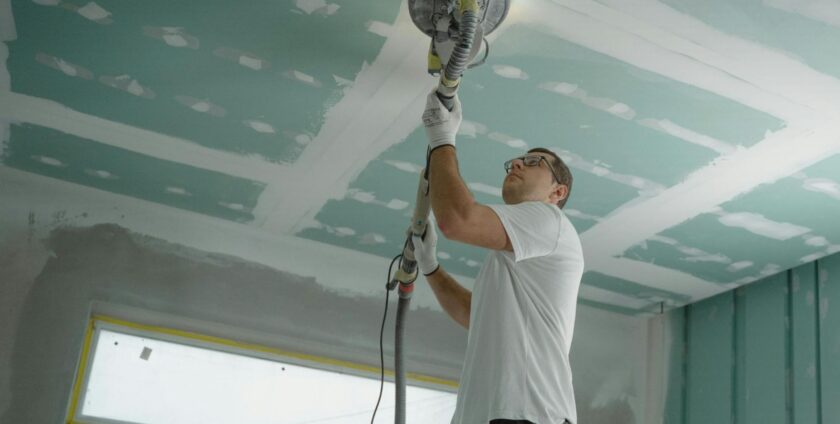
[533, 228]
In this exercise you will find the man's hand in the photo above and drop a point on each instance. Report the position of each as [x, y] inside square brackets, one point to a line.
[425, 252]
[441, 124]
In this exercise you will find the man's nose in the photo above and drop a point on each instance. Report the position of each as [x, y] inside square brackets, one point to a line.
[517, 163]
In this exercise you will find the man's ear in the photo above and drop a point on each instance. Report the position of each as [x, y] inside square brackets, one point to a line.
[560, 192]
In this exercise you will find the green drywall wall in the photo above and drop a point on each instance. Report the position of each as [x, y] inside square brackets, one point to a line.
[761, 352]
[709, 372]
[764, 353]
[828, 281]
[803, 323]
[677, 367]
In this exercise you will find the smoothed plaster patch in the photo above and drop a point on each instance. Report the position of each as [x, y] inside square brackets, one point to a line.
[605, 104]
[823, 185]
[173, 36]
[59, 64]
[316, 6]
[94, 12]
[243, 58]
[201, 106]
[511, 72]
[128, 84]
[405, 166]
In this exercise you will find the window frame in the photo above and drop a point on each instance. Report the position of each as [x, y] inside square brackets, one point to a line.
[98, 322]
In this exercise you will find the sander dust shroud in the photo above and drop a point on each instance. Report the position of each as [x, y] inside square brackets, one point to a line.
[456, 28]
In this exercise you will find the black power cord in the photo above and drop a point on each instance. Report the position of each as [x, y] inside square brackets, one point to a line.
[388, 288]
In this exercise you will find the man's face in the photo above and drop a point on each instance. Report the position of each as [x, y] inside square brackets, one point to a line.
[525, 183]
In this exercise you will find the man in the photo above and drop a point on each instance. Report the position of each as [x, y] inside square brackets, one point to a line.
[520, 317]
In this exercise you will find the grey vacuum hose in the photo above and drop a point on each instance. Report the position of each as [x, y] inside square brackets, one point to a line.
[459, 59]
[408, 273]
[399, 367]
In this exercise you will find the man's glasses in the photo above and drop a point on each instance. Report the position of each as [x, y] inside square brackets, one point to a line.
[532, 160]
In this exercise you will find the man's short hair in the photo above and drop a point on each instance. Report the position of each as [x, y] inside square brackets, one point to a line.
[563, 173]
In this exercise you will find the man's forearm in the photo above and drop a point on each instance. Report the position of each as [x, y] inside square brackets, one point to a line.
[453, 297]
[449, 196]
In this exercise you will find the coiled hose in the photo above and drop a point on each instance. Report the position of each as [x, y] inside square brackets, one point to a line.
[460, 57]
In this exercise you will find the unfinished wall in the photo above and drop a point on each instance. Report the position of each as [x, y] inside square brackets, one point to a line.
[765, 353]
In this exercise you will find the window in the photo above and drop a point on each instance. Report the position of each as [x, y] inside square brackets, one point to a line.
[136, 374]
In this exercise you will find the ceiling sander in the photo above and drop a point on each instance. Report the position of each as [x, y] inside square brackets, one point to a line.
[457, 29]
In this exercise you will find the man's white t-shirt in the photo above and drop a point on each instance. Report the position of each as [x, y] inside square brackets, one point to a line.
[522, 319]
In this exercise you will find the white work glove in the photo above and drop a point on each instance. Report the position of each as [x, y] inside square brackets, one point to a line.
[441, 124]
[425, 252]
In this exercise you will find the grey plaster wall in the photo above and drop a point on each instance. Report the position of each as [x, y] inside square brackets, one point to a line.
[49, 282]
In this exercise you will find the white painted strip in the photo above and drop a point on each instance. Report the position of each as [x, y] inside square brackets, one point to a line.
[652, 275]
[350, 272]
[380, 109]
[826, 11]
[670, 128]
[8, 31]
[768, 69]
[46, 113]
[779, 155]
[647, 46]
[380, 28]
[598, 294]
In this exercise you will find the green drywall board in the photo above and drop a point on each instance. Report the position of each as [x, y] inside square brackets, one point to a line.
[803, 343]
[778, 202]
[59, 155]
[710, 363]
[664, 253]
[651, 96]
[829, 324]
[676, 355]
[705, 232]
[760, 347]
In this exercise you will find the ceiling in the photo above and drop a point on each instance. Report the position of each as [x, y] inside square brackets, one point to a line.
[703, 136]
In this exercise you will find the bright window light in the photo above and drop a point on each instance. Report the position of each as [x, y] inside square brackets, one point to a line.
[139, 379]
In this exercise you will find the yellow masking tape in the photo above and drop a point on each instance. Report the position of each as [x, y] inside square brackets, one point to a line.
[80, 375]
